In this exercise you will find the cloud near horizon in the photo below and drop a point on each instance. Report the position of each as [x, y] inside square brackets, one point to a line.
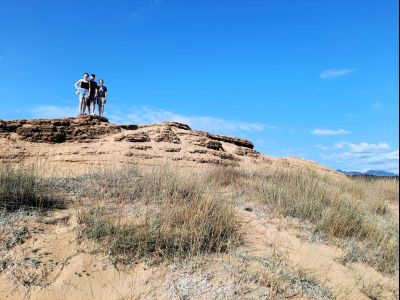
[52, 111]
[366, 156]
[333, 73]
[323, 132]
[146, 115]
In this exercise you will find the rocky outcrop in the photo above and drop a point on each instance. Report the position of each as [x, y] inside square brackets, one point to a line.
[242, 151]
[137, 137]
[82, 129]
[24, 139]
[231, 140]
[167, 135]
[204, 142]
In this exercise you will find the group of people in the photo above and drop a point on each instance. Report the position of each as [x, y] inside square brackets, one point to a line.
[90, 92]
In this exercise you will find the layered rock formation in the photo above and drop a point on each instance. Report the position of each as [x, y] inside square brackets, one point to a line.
[83, 128]
[89, 138]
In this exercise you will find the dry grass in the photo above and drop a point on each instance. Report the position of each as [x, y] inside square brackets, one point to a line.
[340, 207]
[182, 215]
[164, 212]
[23, 188]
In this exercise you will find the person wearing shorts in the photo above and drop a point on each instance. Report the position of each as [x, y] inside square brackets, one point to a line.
[82, 85]
[92, 93]
[101, 97]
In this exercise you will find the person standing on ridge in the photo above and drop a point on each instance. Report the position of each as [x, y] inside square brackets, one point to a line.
[92, 93]
[101, 97]
[82, 85]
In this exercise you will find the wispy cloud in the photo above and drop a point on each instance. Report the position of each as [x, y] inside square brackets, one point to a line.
[366, 156]
[321, 147]
[134, 15]
[363, 147]
[323, 132]
[146, 115]
[332, 73]
[157, 2]
[53, 111]
[376, 105]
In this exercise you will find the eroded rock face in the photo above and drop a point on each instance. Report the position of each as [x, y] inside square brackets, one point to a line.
[210, 144]
[83, 128]
[167, 135]
[242, 151]
[167, 140]
[231, 140]
[138, 137]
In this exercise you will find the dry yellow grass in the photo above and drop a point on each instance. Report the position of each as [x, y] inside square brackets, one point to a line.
[182, 215]
[342, 208]
[164, 213]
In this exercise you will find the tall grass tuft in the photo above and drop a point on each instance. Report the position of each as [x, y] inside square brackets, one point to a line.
[340, 207]
[23, 188]
[182, 215]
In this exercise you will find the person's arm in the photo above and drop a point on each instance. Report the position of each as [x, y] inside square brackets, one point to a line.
[77, 84]
[90, 87]
[105, 96]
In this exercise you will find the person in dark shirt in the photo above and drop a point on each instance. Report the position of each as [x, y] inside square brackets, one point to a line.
[101, 97]
[92, 93]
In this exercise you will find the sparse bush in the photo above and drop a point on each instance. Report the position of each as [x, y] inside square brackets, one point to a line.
[341, 208]
[225, 175]
[183, 217]
[22, 188]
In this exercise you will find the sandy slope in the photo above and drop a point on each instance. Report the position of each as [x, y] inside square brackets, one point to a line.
[55, 264]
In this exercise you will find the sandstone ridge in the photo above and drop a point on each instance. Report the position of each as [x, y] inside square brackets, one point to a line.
[85, 127]
[76, 144]
[86, 139]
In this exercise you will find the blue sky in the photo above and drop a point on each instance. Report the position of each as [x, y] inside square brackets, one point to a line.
[313, 79]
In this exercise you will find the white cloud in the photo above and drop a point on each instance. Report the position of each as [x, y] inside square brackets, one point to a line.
[368, 148]
[322, 132]
[53, 111]
[146, 115]
[332, 73]
[366, 156]
[362, 147]
[321, 147]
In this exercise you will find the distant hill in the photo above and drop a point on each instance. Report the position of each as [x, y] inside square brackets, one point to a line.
[370, 173]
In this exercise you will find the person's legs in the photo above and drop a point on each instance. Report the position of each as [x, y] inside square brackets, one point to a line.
[80, 104]
[83, 101]
[93, 105]
[102, 107]
[88, 105]
[99, 106]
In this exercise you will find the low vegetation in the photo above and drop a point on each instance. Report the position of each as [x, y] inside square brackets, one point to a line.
[181, 215]
[342, 208]
[163, 213]
[22, 188]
